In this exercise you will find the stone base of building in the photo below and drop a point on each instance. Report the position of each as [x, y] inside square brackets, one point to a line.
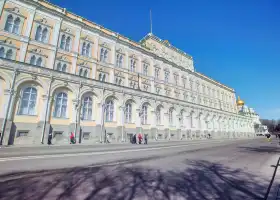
[28, 134]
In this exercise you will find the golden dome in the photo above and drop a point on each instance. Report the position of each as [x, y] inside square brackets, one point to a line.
[239, 102]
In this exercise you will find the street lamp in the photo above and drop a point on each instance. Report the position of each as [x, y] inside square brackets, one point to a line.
[123, 116]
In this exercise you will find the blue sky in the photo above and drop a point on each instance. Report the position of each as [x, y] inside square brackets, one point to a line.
[236, 42]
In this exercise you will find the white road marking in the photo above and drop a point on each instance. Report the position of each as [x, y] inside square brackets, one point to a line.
[103, 153]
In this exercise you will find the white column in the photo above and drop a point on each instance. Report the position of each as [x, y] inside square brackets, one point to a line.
[29, 23]
[55, 35]
[74, 111]
[74, 65]
[4, 103]
[94, 68]
[126, 61]
[137, 118]
[12, 108]
[95, 49]
[153, 119]
[98, 119]
[2, 3]
[77, 40]
[22, 51]
[113, 54]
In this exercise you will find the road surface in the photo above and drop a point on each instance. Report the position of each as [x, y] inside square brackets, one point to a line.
[195, 170]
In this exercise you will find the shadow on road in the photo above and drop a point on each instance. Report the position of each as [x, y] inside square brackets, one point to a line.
[200, 180]
[274, 148]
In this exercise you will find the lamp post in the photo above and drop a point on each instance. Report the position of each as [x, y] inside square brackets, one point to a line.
[104, 108]
[122, 107]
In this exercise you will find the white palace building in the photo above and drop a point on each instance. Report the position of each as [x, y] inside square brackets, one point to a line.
[61, 73]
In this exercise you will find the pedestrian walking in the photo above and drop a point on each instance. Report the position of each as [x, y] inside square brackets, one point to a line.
[146, 139]
[140, 138]
[50, 139]
[72, 138]
[268, 137]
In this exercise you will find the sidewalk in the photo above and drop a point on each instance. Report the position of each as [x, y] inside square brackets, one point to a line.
[96, 144]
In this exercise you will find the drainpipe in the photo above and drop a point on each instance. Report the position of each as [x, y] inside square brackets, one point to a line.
[77, 109]
[8, 106]
[46, 111]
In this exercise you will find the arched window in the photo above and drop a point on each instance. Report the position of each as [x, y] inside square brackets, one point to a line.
[81, 72]
[132, 65]
[45, 35]
[64, 68]
[87, 108]
[28, 101]
[103, 55]
[39, 61]
[9, 23]
[33, 60]
[84, 49]
[58, 67]
[2, 52]
[86, 73]
[63, 42]
[182, 117]
[68, 43]
[119, 60]
[170, 117]
[158, 115]
[9, 54]
[102, 77]
[88, 50]
[16, 26]
[128, 112]
[144, 114]
[60, 105]
[38, 35]
[109, 110]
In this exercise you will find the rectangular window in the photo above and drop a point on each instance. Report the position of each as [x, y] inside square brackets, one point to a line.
[145, 69]
[86, 135]
[156, 73]
[166, 76]
[22, 133]
[176, 79]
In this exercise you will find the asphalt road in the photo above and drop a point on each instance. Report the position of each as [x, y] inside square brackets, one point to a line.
[195, 170]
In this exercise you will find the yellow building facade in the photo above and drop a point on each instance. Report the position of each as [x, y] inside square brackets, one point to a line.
[60, 73]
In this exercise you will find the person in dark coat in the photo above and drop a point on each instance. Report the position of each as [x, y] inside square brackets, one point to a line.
[146, 139]
[134, 139]
[50, 139]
